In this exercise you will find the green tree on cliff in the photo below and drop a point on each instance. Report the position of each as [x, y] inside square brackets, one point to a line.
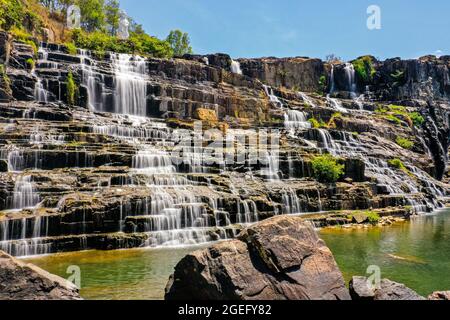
[112, 12]
[93, 17]
[180, 42]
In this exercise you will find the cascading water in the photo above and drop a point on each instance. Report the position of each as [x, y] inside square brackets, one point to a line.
[236, 67]
[130, 94]
[24, 195]
[350, 75]
[294, 119]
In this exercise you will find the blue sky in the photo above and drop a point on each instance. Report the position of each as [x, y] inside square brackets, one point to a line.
[314, 28]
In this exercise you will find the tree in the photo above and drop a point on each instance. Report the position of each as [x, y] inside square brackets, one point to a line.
[179, 42]
[112, 12]
[92, 15]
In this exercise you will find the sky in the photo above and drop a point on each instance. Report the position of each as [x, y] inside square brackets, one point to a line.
[312, 28]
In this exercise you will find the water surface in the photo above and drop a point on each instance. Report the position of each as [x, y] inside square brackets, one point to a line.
[416, 253]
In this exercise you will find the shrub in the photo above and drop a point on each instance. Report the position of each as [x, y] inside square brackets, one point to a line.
[71, 48]
[30, 63]
[332, 123]
[398, 164]
[71, 89]
[404, 143]
[21, 35]
[417, 119]
[12, 14]
[317, 124]
[322, 84]
[364, 68]
[326, 168]
[373, 217]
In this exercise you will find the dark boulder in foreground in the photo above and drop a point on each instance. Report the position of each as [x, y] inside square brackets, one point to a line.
[277, 259]
[21, 281]
[360, 289]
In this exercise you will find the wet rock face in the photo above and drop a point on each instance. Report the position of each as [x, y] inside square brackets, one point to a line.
[303, 74]
[20, 281]
[278, 259]
[360, 289]
[421, 78]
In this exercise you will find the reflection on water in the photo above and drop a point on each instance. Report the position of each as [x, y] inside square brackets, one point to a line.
[415, 253]
[120, 275]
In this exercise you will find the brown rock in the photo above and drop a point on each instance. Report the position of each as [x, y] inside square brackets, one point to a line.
[206, 114]
[387, 290]
[21, 281]
[440, 295]
[281, 258]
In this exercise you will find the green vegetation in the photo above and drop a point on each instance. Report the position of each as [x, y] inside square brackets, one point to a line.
[397, 114]
[417, 119]
[364, 68]
[398, 77]
[179, 42]
[322, 84]
[404, 143]
[317, 124]
[372, 216]
[30, 63]
[71, 89]
[137, 43]
[332, 123]
[398, 164]
[21, 35]
[71, 48]
[327, 169]
[99, 25]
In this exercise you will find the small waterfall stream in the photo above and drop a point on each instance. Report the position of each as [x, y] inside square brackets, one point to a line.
[236, 67]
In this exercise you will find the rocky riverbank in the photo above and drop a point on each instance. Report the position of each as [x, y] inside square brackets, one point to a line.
[281, 258]
[21, 281]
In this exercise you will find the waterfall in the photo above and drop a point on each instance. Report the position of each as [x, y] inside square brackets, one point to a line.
[236, 67]
[24, 195]
[272, 97]
[336, 104]
[291, 202]
[332, 82]
[152, 160]
[41, 93]
[307, 99]
[350, 75]
[294, 119]
[130, 95]
[129, 84]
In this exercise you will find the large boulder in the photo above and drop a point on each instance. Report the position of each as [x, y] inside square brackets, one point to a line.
[361, 289]
[281, 258]
[21, 281]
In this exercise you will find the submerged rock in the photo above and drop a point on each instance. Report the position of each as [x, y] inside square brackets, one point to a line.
[361, 289]
[281, 258]
[21, 281]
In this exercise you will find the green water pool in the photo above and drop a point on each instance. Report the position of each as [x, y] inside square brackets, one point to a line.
[416, 253]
